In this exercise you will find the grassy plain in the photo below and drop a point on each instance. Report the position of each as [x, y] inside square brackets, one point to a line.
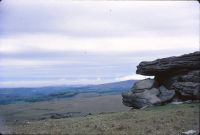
[162, 120]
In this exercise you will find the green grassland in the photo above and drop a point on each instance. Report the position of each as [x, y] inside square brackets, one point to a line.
[82, 105]
[161, 120]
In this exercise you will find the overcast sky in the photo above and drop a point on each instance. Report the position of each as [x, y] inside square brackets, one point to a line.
[56, 42]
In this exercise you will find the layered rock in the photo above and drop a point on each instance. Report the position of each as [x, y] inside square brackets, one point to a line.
[171, 65]
[175, 78]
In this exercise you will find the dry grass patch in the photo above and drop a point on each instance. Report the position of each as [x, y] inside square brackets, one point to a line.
[163, 120]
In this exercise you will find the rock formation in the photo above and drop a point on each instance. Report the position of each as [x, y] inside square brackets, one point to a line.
[175, 78]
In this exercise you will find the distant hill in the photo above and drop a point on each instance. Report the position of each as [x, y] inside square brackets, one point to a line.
[122, 84]
[112, 87]
[12, 95]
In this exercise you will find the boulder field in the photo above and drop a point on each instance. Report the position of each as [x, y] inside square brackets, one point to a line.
[175, 79]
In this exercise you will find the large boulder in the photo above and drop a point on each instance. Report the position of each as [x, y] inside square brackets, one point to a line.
[175, 78]
[166, 95]
[139, 99]
[145, 84]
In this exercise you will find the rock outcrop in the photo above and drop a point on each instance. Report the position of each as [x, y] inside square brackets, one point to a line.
[175, 78]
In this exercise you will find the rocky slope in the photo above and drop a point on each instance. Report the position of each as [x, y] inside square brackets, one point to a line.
[175, 78]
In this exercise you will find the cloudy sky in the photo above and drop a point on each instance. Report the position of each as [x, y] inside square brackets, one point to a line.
[56, 42]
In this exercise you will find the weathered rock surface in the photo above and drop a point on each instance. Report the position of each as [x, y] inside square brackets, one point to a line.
[175, 78]
[165, 94]
[187, 90]
[145, 84]
[170, 65]
[139, 99]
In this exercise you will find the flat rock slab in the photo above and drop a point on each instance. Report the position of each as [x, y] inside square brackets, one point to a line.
[169, 65]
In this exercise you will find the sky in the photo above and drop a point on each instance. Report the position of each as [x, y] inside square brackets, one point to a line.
[59, 42]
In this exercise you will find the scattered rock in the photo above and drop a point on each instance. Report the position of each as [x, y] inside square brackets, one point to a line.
[122, 127]
[89, 113]
[188, 101]
[176, 103]
[144, 107]
[175, 78]
[59, 115]
[56, 116]
[189, 132]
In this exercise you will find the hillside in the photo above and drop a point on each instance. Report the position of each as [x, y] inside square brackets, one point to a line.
[162, 120]
[38, 94]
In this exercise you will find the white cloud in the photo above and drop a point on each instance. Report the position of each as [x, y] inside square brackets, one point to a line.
[97, 28]
[58, 43]
[57, 82]
[132, 77]
[34, 62]
[100, 18]
[18, 62]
